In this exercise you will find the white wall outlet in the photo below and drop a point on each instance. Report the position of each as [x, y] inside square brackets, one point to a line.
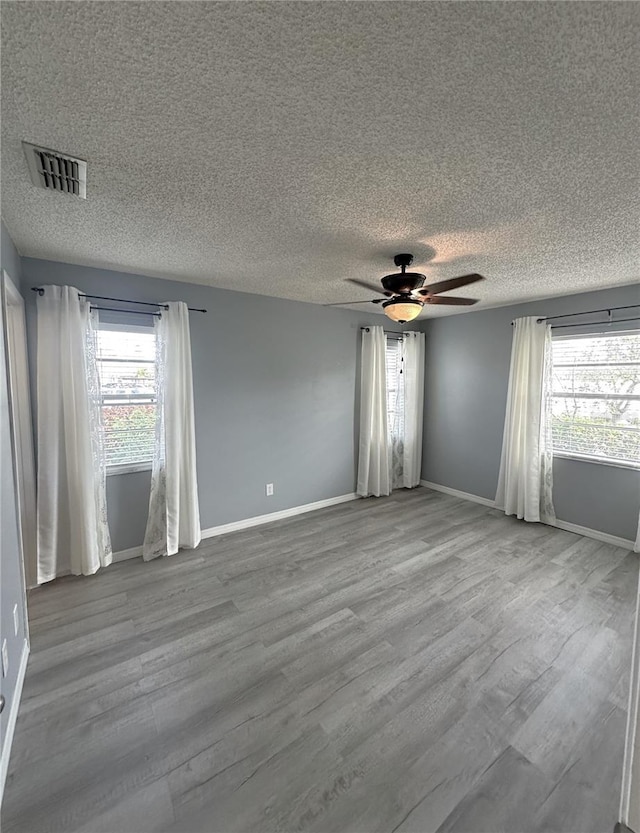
[5, 658]
[16, 620]
[269, 488]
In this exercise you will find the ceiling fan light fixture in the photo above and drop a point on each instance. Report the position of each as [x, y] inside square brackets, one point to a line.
[402, 309]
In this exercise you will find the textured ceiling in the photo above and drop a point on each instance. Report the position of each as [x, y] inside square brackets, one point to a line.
[280, 148]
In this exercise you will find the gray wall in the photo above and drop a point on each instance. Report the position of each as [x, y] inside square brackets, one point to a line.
[275, 388]
[276, 401]
[11, 586]
[466, 381]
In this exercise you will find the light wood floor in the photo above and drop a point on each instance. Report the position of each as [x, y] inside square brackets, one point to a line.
[412, 663]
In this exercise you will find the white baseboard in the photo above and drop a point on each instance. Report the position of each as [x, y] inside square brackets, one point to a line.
[565, 525]
[125, 555]
[246, 523]
[12, 717]
[258, 520]
[595, 533]
[457, 493]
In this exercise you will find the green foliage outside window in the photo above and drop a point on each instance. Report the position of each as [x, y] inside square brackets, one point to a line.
[596, 409]
[129, 433]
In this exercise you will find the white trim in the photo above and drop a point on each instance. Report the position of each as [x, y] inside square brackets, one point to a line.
[128, 468]
[258, 520]
[12, 717]
[600, 461]
[24, 471]
[630, 777]
[125, 555]
[586, 531]
[485, 501]
[246, 523]
[594, 533]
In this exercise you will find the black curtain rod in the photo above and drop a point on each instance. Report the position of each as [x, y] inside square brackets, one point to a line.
[594, 323]
[588, 312]
[587, 323]
[40, 291]
[389, 333]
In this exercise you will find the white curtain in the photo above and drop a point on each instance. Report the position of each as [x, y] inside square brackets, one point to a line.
[526, 467]
[72, 531]
[413, 372]
[374, 459]
[174, 517]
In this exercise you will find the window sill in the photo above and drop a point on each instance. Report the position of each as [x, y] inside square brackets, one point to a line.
[129, 468]
[601, 461]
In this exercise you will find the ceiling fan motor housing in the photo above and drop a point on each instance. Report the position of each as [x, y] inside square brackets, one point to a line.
[403, 283]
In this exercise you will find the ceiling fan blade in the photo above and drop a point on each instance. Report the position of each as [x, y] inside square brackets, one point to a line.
[452, 283]
[370, 286]
[346, 303]
[457, 302]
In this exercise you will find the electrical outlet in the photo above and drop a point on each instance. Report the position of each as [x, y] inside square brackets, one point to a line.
[5, 658]
[269, 489]
[16, 625]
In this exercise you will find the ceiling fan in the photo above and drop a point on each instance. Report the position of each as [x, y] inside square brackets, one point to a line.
[407, 294]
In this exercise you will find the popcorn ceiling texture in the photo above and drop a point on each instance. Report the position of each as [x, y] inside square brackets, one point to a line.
[279, 148]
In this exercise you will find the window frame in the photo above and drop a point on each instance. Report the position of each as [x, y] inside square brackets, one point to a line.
[588, 458]
[143, 465]
[399, 392]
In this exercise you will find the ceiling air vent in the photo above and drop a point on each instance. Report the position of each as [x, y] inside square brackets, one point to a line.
[56, 171]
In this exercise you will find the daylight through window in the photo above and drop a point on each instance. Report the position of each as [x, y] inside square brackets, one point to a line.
[596, 397]
[395, 389]
[126, 364]
[395, 408]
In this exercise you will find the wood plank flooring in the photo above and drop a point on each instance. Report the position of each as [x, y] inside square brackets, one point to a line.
[411, 664]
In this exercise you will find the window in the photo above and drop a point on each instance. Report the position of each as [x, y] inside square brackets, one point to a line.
[596, 397]
[395, 388]
[395, 407]
[127, 369]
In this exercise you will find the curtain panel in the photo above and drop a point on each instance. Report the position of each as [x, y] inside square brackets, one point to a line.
[72, 532]
[374, 458]
[174, 516]
[525, 481]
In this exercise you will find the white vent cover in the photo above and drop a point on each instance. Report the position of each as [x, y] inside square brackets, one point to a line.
[55, 171]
